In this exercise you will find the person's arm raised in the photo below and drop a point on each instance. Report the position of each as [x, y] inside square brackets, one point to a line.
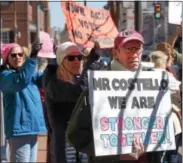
[172, 39]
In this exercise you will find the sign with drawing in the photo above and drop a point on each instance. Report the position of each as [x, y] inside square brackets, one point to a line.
[86, 25]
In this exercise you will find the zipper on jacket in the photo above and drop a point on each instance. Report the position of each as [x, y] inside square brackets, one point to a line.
[22, 110]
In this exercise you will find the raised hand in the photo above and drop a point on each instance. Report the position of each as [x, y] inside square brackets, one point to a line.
[36, 47]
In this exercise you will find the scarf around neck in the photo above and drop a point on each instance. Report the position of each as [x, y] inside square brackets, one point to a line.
[117, 66]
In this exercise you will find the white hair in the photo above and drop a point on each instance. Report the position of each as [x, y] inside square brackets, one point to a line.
[158, 57]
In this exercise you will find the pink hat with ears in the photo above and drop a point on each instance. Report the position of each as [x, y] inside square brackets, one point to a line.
[6, 49]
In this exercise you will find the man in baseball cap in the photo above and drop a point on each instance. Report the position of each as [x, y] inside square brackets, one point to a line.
[127, 52]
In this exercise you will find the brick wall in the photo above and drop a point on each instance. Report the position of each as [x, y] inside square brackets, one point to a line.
[23, 18]
[7, 14]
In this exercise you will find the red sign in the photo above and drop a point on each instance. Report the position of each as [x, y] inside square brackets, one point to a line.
[86, 25]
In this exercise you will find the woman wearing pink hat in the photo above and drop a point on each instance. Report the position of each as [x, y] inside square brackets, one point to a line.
[23, 112]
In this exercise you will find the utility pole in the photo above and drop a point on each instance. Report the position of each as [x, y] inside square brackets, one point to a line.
[15, 22]
[38, 19]
[138, 16]
[85, 2]
[166, 22]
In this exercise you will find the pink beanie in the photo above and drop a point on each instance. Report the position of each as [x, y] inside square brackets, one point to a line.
[6, 49]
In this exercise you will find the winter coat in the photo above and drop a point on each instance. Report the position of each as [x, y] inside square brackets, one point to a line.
[23, 112]
[60, 96]
[60, 99]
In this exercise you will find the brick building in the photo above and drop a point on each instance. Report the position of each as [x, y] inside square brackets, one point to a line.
[19, 24]
[19, 20]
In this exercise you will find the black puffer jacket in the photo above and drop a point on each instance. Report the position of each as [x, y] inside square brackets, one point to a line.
[60, 99]
[60, 96]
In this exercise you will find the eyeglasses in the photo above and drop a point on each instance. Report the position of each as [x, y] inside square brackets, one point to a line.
[132, 49]
[72, 57]
[14, 55]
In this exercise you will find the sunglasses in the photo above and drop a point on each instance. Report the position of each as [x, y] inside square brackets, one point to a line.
[72, 57]
[14, 55]
[132, 49]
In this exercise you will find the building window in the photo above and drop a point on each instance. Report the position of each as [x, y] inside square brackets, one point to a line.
[6, 37]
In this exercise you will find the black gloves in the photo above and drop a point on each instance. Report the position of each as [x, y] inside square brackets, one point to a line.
[36, 46]
[94, 55]
[98, 66]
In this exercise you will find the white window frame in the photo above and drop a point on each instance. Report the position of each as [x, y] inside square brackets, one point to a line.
[5, 38]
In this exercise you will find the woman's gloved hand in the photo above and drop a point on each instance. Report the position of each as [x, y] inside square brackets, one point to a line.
[36, 47]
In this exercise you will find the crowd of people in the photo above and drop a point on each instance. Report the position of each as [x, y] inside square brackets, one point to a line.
[39, 96]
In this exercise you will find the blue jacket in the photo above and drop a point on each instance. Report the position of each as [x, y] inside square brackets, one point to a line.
[23, 112]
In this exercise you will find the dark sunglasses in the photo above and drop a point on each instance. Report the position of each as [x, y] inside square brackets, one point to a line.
[14, 55]
[72, 57]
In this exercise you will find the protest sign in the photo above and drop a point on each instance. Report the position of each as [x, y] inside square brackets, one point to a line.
[124, 107]
[86, 25]
[175, 12]
[47, 46]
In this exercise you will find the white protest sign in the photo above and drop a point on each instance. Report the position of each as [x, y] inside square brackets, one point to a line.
[175, 13]
[122, 111]
[130, 18]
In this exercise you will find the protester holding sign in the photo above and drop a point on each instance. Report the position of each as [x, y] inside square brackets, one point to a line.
[127, 52]
[22, 103]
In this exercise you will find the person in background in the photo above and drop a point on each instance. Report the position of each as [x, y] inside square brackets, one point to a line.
[160, 59]
[61, 94]
[23, 112]
[45, 57]
[175, 57]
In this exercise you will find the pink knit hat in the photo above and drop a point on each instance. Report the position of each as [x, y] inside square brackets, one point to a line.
[6, 49]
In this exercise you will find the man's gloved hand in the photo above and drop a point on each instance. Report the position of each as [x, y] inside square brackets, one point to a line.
[36, 46]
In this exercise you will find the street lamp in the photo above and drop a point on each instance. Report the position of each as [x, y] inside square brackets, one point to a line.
[15, 22]
[138, 16]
